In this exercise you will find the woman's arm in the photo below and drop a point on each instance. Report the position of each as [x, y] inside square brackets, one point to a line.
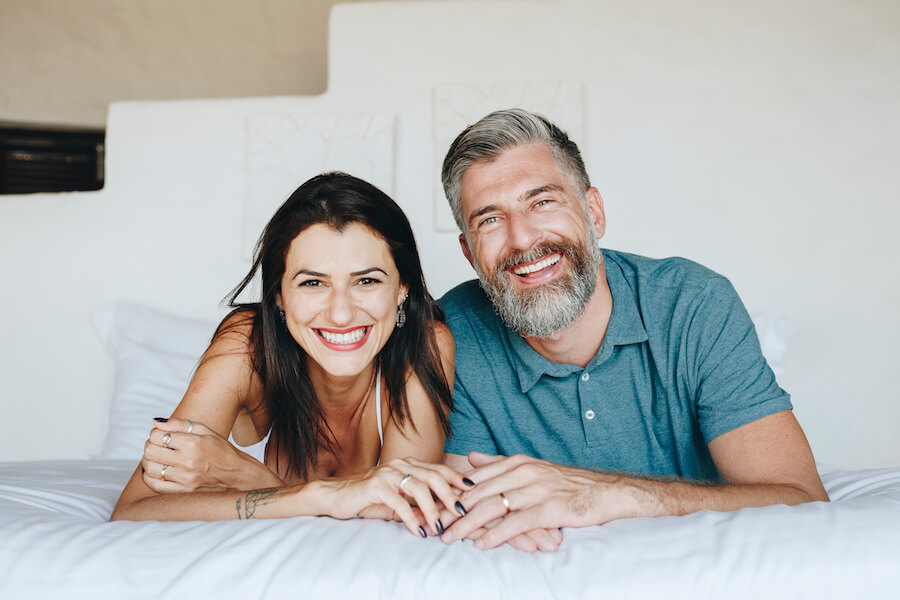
[223, 385]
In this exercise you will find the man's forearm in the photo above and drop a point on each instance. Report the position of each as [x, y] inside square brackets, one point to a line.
[616, 497]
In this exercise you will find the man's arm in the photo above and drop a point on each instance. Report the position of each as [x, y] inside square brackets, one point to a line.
[765, 462]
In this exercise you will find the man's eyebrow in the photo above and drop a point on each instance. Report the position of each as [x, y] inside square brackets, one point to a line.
[550, 187]
[481, 211]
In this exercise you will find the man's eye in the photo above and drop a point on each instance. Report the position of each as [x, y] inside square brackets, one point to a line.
[542, 202]
[489, 221]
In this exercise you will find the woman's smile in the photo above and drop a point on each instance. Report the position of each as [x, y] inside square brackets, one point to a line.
[344, 340]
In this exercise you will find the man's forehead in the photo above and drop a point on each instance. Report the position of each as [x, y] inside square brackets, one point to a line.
[512, 174]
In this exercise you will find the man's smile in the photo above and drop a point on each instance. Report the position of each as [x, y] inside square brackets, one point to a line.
[526, 270]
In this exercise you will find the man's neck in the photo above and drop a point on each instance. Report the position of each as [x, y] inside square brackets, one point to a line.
[579, 342]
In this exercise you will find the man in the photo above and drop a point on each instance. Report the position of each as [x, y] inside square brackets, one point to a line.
[595, 385]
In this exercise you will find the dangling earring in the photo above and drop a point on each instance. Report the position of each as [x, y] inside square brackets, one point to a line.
[401, 315]
[281, 314]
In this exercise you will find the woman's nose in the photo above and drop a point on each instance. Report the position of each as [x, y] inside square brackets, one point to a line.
[340, 308]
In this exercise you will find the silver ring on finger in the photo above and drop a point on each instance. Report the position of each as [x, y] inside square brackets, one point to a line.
[190, 426]
[505, 502]
[162, 473]
[405, 480]
[166, 440]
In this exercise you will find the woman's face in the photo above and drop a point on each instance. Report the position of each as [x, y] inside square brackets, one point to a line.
[340, 292]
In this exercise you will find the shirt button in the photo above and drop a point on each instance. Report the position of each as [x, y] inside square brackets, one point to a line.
[589, 415]
[585, 376]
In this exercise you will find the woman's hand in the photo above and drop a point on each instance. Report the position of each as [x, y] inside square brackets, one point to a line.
[195, 458]
[377, 494]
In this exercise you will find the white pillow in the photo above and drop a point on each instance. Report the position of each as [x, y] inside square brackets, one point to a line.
[155, 355]
[773, 331]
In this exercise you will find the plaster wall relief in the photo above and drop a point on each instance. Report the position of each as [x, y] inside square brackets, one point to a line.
[458, 105]
[284, 150]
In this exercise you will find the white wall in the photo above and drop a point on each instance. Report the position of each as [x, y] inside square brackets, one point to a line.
[759, 138]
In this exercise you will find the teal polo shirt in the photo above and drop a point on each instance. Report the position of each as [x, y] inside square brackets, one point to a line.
[680, 365]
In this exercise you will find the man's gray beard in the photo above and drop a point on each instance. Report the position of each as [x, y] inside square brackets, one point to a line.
[553, 306]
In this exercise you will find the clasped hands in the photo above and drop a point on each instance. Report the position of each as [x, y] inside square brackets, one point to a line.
[540, 497]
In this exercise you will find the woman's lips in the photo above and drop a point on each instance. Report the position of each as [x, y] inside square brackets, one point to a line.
[344, 339]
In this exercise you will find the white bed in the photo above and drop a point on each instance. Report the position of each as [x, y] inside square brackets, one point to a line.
[55, 541]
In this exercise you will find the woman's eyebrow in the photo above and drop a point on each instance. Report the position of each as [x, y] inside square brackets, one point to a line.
[309, 273]
[366, 271]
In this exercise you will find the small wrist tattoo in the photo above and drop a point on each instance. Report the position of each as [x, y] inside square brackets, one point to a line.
[251, 501]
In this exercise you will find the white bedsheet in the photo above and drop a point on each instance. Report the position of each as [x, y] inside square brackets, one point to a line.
[55, 543]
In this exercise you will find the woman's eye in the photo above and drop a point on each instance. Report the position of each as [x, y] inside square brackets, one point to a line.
[368, 281]
[310, 283]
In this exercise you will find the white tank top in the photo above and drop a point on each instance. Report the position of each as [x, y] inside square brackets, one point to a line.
[258, 450]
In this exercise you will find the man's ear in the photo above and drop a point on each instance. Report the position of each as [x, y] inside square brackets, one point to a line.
[595, 210]
[464, 244]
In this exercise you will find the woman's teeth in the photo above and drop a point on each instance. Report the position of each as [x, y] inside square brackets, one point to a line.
[351, 337]
[541, 264]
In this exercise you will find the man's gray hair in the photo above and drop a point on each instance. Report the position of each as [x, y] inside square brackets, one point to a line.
[497, 132]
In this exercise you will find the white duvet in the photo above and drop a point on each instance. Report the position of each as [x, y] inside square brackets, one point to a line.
[55, 543]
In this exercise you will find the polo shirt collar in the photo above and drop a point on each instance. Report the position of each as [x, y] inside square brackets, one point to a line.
[625, 327]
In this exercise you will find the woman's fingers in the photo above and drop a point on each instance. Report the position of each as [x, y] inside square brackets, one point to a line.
[180, 425]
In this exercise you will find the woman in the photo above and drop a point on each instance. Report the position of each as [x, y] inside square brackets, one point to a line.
[341, 372]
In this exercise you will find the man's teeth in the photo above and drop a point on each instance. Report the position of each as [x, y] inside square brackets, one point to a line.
[351, 337]
[542, 264]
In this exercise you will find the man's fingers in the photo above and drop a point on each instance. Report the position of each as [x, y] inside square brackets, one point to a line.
[544, 539]
[479, 459]
[512, 525]
[478, 516]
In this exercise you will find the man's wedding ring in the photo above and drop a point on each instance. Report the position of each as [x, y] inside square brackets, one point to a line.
[404, 481]
[505, 502]
[190, 426]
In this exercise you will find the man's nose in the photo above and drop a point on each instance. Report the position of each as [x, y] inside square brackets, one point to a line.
[523, 233]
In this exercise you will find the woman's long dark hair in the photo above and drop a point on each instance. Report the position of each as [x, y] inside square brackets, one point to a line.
[337, 200]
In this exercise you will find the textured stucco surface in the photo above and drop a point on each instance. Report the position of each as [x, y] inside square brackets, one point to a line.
[64, 62]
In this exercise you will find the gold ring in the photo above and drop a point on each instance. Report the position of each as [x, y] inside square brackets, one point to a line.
[167, 439]
[505, 502]
[162, 474]
[190, 426]
[404, 481]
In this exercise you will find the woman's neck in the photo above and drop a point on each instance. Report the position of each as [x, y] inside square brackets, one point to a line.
[341, 397]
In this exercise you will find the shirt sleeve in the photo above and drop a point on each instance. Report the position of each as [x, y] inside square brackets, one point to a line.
[734, 384]
[468, 429]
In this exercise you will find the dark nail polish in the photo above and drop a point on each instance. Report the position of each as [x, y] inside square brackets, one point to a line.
[161, 419]
[422, 531]
[439, 526]
[460, 509]
[468, 482]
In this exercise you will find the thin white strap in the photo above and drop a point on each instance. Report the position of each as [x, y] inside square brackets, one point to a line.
[378, 407]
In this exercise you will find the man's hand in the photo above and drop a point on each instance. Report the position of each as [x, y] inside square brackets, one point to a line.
[540, 495]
